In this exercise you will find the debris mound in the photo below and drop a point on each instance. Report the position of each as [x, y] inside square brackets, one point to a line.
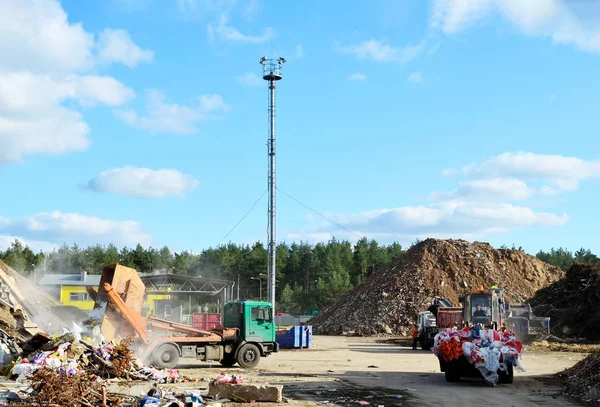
[388, 302]
[583, 379]
[25, 309]
[572, 303]
[53, 388]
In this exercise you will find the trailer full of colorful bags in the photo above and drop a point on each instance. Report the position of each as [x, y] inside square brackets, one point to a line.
[488, 350]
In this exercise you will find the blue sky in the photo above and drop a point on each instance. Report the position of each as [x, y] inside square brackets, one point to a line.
[146, 121]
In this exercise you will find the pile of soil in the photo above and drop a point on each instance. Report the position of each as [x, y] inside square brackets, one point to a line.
[582, 381]
[388, 302]
[572, 303]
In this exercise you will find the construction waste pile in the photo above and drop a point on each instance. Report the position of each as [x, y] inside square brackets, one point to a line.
[572, 303]
[71, 371]
[20, 300]
[486, 349]
[582, 380]
[388, 301]
[68, 369]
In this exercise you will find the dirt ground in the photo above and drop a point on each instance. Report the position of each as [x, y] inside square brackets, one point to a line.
[342, 371]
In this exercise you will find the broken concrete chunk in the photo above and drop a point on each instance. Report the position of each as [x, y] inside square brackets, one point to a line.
[246, 392]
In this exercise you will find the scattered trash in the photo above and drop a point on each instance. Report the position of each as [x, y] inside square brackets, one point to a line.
[226, 378]
[373, 367]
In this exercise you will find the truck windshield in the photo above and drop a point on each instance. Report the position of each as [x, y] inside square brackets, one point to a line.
[481, 305]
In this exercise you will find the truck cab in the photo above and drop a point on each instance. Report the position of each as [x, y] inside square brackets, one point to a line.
[484, 308]
[248, 331]
[252, 318]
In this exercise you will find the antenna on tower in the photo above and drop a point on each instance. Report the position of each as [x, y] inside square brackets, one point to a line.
[272, 72]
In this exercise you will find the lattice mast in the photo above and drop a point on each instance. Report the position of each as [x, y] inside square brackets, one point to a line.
[272, 72]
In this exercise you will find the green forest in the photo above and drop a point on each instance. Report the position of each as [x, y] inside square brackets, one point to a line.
[308, 276]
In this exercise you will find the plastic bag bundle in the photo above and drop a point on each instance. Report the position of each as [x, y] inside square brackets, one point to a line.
[226, 378]
[486, 349]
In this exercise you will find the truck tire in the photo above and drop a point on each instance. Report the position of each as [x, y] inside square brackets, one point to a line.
[452, 376]
[506, 377]
[425, 343]
[248, 356]
[166, 356]
[228, 360]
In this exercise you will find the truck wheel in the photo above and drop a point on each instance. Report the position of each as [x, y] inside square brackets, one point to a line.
[452, 376]
[425, 344]
[248, 356]
[166, 356]
[228, 360]
[506, 377]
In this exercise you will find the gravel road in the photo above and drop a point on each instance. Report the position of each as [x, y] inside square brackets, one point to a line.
[338, 370]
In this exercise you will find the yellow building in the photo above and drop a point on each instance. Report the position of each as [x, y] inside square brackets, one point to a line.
[70, 289]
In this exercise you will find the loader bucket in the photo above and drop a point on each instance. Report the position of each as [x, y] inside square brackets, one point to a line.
[128, 285]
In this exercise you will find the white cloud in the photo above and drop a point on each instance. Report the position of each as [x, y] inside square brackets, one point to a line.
[479, 206]
[224, 32]
[103, 89]
[550, 18]
[451, 217]
[380, 52]
[252, 9]
[36, 36]
[564, 173]
[143, 182]
[299, 51]
[46, 63]
[357, 77]
[416, 77]
[34, 245]
[162, 117]
[117, 46]
[55, 228]
[250, 79]
[33, 119]
[456, 15]
[495, 190]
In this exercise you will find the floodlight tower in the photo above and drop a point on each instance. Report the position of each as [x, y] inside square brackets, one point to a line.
[272, 72]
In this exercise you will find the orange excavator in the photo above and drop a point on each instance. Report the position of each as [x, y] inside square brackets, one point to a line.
[248, 332]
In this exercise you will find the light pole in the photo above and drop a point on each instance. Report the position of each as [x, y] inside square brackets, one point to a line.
[259, 286]
[272, 72]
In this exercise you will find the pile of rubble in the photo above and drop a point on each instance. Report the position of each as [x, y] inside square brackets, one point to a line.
[572, 303]
[72, 368]
[72, 371]
[583, 379]
[388, 302]
[19, 299]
